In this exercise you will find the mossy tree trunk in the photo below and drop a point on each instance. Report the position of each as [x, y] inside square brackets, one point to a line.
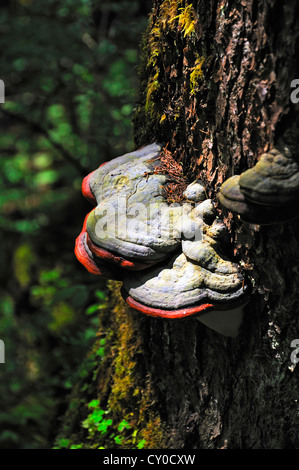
[215, 85]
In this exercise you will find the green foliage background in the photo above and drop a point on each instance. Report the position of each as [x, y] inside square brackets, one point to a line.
[69, 69]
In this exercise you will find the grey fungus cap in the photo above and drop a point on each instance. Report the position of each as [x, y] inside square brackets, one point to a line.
[273, 181]
[266, 194]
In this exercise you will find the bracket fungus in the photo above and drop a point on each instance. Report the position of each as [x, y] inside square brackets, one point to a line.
[130, 219]
[198, 280]
[171, 258]
[268, 193]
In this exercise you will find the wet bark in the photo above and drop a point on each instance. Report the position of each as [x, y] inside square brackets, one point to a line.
[205, 390]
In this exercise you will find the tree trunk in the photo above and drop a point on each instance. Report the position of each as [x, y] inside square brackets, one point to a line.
[215, 84]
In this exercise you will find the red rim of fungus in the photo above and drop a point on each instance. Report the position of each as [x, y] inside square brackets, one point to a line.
[159, 313]
[111, 258]
[85, 259]
[86, 191]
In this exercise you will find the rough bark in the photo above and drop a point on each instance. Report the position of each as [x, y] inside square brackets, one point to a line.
[213, 391]
[200, 389]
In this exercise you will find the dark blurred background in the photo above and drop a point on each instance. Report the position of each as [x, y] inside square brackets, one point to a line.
[70, 74]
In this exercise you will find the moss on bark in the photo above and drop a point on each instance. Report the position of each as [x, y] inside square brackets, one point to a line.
[112, 404]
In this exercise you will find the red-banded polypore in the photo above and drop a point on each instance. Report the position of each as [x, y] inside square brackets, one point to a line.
[172, 258]
[199, 280]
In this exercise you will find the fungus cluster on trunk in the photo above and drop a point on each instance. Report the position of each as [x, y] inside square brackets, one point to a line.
[173, 258]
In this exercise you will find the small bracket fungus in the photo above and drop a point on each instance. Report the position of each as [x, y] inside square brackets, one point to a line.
[268, 193]
[172, 258]
[195, 192]
[274, 180]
